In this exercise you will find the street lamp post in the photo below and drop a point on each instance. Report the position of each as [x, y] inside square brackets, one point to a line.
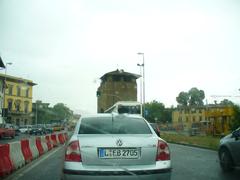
[5, 84]
[36, 114]
[143, 66]
[140, 65]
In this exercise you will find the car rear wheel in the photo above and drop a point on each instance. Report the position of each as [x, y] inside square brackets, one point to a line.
[226, 161]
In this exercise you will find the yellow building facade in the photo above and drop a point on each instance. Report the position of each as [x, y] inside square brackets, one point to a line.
[183, 118]
[18, 99]
[213, 119]
[220, 118]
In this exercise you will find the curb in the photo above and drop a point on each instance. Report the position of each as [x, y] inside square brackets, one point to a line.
[192, 145]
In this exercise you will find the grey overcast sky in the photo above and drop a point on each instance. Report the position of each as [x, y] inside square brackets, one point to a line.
[66, 45]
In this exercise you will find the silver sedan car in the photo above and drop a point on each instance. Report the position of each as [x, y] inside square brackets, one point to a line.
[108, 146]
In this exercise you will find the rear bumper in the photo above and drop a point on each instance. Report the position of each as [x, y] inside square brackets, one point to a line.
[163, 174]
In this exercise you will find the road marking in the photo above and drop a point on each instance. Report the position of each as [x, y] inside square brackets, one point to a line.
[17, 175]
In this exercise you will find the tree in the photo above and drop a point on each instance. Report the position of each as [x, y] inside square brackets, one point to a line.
[44, 114]
[62, 111]
[194, 97]
[226, 102]
[155, 110]
[183, 98]
[167, 115]
[158, 112]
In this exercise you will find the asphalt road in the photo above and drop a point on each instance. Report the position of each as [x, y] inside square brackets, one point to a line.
[188, 163]
[195, 163]
[17, 138]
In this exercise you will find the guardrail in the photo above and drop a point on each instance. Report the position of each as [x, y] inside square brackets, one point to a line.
[15, 155]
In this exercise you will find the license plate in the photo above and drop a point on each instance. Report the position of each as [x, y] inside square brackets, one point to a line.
[118, 153]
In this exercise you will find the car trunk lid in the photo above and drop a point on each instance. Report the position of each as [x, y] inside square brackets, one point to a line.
[114, 150]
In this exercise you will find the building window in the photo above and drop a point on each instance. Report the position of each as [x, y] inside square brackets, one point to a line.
[27, 92]
[26, 103]
[180, 119]
[116, 78]
[18, 122]
[193, 118]
[10, 89]
[18, 91]
[200, 118]
[9, 104]
[200, 111]
[187, 119]
[127, 79]
[17, 105]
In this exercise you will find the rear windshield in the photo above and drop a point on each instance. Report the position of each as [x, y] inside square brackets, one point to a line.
[129, 109]
[116, 125]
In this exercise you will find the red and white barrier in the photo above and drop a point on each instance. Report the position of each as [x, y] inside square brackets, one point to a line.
[54, 140]
[61, 138]
[39, 146]
[6, 166]
[49, 142]
[33, 147]
[44, 144]
[66, 136]
[16, 155]
[27, 154]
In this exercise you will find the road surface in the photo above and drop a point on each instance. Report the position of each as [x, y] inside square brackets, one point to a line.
[188, 163]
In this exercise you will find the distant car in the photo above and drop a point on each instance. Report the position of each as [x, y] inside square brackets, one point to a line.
[37, 130]
[111, 146]
[155, 128]
[57, 128]
[6, 131]
[48, 128]
[25, 128]
[15, 127]
[229, 151]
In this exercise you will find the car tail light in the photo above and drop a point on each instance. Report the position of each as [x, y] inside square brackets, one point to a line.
[73, 152]
[163, 152]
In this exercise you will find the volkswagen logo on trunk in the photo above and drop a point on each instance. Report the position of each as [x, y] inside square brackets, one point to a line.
[119, 142]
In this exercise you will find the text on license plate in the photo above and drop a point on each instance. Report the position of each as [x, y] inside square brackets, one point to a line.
[118, 153]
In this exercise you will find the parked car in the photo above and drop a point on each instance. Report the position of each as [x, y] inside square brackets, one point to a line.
[49, 128]
[15, 127]
[25, 128]
[6, 131]
[114, 146]
[37, 130]
[57, 128]
[17, 130]
[229, 151]
[155, 128]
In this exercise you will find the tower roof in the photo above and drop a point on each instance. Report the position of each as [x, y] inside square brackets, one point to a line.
[120, 72]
